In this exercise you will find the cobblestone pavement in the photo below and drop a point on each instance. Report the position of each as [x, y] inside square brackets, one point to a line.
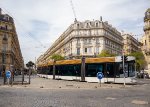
[59, 93]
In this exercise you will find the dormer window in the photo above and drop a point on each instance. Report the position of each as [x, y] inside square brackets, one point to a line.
[6, 27]
[6, 18]
[147, 13]
[77, 25]
[96, 24]
[87, 25]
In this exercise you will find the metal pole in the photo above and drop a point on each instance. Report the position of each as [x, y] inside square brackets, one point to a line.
[29, 74]
[22, 75]
[4, 76]
[3, 61]
[8, 81]
[35, 67]
[11, 76]
[100, 82]
[123, 70]
[54, 69]
[135, 70]
[83, 69]
[11, 80]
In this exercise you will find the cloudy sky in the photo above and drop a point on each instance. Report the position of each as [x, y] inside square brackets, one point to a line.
[40, 22]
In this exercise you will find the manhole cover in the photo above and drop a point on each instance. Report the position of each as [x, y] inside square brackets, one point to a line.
[139, 102]
[110, 98]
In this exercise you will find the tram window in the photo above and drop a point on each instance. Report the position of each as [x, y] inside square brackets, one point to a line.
[92, 69]
[110, 71]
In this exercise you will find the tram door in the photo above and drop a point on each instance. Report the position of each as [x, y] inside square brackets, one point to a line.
[110, 70]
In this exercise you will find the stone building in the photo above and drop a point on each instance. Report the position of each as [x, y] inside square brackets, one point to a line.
[146, 39]
[130, 44]
[10, 53]
[87, 39]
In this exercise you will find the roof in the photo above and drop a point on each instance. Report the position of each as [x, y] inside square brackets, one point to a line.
[78, 61]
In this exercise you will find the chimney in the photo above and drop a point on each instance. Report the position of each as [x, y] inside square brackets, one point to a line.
[75, 21]
[100, 18]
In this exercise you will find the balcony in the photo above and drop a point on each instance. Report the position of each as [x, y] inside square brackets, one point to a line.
[97, 43]
[146, 28]
[87, 44]
[78, 45]
[147, 51]
[6, 30]
[147, 17]
[5, 20]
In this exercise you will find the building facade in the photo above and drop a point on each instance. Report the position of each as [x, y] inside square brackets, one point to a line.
[146, 39]
[10, 53]
[87, 39]
[130, 44]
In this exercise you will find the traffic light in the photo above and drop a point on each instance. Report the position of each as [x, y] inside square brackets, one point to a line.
[125, 58]
[121, 58]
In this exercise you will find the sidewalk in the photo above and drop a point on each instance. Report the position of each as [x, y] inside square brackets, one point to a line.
[37, 82]
[17, 80]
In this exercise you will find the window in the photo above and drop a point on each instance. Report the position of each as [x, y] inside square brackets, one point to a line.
[4, 48]
[97, 40]
[85, 41]
[3, 58]
[97, 50]
[90, 50]
[78, 41]
[5, 37]
[78, 51]
[89, 40]
[6, 27]
[85, 50]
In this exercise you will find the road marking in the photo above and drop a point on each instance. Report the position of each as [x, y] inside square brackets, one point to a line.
[139, 102]
[110, 98]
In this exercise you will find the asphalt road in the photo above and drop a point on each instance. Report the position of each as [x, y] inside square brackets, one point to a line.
[133, 96]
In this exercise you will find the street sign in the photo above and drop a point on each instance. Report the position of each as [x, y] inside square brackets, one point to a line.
[8, 74]
[100, 75]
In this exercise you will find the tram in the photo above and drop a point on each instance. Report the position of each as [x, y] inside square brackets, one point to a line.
[111, 67]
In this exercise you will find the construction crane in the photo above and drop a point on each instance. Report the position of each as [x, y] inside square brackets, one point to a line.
[74, 13]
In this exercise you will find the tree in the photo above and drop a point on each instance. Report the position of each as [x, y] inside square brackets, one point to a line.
[57, 57]
[30, 64]
[106, 53]
[140, 60]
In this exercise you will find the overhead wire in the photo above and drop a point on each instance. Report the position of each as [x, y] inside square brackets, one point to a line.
[29, 34]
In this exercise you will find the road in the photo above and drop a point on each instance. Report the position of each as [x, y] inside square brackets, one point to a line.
[86, 96]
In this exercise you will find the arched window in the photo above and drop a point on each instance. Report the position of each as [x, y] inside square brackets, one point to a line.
[5, 37]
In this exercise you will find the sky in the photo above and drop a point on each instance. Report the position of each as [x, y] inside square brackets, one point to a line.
[40, 22]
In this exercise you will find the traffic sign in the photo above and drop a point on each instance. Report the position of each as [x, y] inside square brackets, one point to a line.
[100, 75]
[8, 74]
